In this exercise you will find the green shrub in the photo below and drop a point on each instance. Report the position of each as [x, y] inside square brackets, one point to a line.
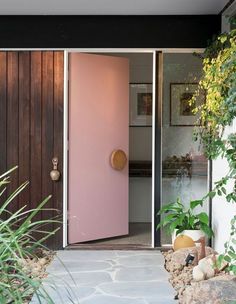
[17, 242]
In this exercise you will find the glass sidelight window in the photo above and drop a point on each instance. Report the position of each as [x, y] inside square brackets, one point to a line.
[233, 22]
[184, 167]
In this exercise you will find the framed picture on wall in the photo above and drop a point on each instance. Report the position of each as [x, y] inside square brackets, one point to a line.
[181, 112]
[140, 104]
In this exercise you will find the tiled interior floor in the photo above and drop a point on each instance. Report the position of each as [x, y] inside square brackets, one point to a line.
[139, 234]
[108, 277]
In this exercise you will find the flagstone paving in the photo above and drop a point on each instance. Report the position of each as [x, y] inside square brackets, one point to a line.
[108, 277]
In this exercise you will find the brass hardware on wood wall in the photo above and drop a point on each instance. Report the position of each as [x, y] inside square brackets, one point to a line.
[55, 174]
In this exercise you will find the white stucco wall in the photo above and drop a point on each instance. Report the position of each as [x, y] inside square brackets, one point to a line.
[222, 211]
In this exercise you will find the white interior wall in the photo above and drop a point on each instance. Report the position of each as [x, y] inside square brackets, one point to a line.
[140, 143]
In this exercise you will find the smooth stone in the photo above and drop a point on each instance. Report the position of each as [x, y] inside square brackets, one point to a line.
[148, 273]
[103, 299]
[142, 260]
[138, 289]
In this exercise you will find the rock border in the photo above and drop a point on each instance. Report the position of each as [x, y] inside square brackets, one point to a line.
[218, 290]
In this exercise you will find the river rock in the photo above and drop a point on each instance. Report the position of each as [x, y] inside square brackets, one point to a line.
[218, 290]
[180, 255]
[198, 274]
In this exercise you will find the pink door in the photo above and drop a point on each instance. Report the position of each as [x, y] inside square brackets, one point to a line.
[98, 124]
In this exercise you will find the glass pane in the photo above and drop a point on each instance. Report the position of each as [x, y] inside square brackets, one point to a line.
[184, 167]
[233, 22]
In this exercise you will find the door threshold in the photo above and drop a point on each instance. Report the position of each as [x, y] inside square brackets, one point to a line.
[109, 247]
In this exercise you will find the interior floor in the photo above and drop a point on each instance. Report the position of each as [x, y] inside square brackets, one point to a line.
[139, 234]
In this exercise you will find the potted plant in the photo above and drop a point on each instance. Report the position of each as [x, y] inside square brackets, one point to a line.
[182, 220]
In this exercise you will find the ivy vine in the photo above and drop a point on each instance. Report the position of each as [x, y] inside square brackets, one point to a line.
[216, 114]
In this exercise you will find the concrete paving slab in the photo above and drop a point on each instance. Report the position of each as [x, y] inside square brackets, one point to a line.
[79, 278]
[148, 273]
[108, 277]
[101, 299]
[143, 289]
[64, 294]
[75, 266]
[142, 260]
[86, 255]
[122, 253]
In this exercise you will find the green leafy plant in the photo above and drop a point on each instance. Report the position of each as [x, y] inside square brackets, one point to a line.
[219, 111]
[180, 218]
[17, 242]
[230, 251]
[219, 83]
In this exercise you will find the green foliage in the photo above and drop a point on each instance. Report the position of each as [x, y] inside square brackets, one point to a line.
[17, 242]
[230, 249]
[219, 111]
[177, 217]
[219, 83]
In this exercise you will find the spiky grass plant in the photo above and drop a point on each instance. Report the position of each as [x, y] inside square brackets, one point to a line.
[17, 242]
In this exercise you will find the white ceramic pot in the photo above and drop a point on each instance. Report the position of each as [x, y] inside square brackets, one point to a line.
[194, 234]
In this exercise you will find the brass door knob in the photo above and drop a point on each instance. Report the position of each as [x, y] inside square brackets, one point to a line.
[118, 160]
[55, 174]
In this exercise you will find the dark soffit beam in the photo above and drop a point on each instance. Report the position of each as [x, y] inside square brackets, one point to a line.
[108, 31]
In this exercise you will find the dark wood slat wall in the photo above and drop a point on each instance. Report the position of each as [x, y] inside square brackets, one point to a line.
[24, 116]
[31, 124]
[47, 131]
[3, 111]
[12, 121]
[36, 129]
[3, 116]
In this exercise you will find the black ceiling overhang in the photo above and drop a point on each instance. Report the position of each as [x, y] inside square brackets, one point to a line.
[182, 31]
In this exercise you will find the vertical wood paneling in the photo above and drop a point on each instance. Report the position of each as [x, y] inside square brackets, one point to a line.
[12, 122]
[3, 116]
[24, 124]
[36, 130]
[47, 133]
[3, 111]
[31, 127]
[58, 133]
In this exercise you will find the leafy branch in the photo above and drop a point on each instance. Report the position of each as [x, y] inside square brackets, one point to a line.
[216, 114]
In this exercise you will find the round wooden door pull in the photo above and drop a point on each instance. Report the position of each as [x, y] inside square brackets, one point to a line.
[118, 159]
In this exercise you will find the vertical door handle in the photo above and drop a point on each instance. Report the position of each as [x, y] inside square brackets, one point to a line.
[55, 174]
